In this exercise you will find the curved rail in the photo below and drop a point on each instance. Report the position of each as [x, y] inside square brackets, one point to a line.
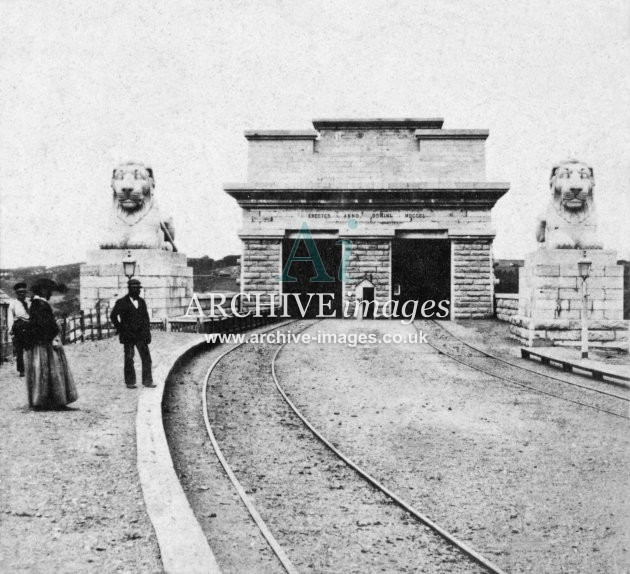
[520, 384]
[374, 482]
[264, 529]
[528, 369]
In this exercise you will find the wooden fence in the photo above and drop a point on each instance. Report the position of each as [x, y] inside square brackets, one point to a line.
[94, 325]
[89, 325]
[6, 345]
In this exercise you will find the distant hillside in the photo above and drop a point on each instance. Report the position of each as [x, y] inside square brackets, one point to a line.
[211, 275]
[506, 271]
[66, 301]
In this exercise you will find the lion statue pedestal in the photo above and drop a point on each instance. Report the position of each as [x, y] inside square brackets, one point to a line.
[136, 226]
[166, 279]
[550, 286]
[550, 299]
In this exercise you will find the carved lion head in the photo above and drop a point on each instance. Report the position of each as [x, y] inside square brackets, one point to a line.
[133, 186]
[572, 185]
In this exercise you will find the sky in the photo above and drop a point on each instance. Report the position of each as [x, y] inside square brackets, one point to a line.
[87, 84]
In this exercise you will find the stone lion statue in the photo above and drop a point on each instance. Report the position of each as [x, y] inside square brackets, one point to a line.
[135, 221]
[569, 221]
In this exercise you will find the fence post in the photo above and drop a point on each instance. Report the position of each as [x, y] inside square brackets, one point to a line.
[99, 330]
[82, 324]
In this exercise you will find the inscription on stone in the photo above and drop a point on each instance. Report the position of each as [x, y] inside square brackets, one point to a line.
[367, 217]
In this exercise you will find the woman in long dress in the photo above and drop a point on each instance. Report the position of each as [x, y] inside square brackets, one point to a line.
[48, 378]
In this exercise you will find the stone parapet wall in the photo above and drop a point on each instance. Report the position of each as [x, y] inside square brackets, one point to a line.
[287, 161]
[472, 274]
[167, 281]
[505, 305]
[354, 155]
[261, 267]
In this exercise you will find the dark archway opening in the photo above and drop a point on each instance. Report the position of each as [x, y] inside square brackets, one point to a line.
[421, 271]
[305, 273]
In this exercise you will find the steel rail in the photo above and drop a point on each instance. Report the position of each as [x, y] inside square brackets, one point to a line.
[530, 370]
[520, 384]
[264, 529]
[379, 486]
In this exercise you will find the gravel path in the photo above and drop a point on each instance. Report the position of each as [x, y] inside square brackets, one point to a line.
[571, 387]
[326, 518]
[535, 483]
[70, 498]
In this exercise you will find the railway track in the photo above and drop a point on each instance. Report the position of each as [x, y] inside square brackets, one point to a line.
[324, 518]
[313, 478]
[588, 396]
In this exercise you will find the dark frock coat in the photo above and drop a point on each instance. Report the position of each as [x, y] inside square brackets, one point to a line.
[133, 325]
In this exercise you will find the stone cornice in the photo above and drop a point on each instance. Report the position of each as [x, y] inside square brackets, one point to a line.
[257, 135]
[395, 186]
[452, 134]
[378, 123]
[260, 235]
[479, 195]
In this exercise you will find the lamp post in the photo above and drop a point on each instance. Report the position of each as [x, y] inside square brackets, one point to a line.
[584, 267]
[129, 265]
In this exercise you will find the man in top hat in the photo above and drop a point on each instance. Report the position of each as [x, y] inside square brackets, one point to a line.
[18, 324]
[131, 321]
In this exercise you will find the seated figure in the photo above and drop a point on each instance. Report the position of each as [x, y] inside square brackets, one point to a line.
[569, 221]
[135, 221]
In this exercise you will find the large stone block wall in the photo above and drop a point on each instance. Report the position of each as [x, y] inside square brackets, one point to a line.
[471, 269]
[550, 302]
[357, 156]
[281, 161]
[452, 160]
[167, 282]
[505, 305]
[472, 290]
[550, 286]
[369, 259]
[261, 268]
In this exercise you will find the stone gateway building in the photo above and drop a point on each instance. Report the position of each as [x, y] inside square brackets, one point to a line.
[401, 205]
